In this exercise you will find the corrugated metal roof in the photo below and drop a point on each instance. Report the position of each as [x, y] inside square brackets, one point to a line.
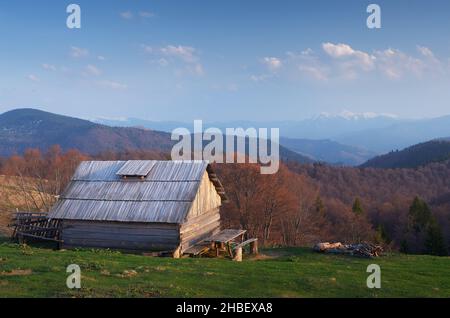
[165, 195]
[161, 171]
[122, 211]
[132, 190]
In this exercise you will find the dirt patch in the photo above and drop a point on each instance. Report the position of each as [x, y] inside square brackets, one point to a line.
[128, 273]
[104, 272]
[87, 278]
[209, 274]
[262, 257]
[17, 272]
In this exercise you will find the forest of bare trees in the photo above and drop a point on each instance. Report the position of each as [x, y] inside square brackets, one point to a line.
[404, 209]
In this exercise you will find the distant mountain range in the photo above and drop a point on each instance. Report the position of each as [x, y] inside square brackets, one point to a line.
[376, 133]
[30, 128]
[399, 135]
[328, 151]
[414, 156]
[323, 126]
[309, 137]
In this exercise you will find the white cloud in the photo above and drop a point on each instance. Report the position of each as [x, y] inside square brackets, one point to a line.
[101, 58]
[128, 15]
[174, 54]
[148, 49]
[146, 14]
[395, 64]
[392, 63]
[314, 72]
[260, 78]
[49, 67]
[232, 87]
[185, 53]
[307, 64]
[360, 58]
[306, 52]
[347, 63]
[112, 85]
[337, 50]
[272, 63]
[93, 70]
[77, 52]
[33, 78]
[163, 62]
[197, 69]
[425, 51]
[432, 63]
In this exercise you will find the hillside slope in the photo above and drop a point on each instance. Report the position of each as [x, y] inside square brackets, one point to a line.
[414, 156]
[328, 151]
[398, 135]
[317, 149]
[30, 128]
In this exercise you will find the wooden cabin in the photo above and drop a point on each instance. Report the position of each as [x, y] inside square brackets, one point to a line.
[140, 206]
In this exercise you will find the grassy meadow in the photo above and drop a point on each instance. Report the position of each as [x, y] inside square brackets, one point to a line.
[289, 272]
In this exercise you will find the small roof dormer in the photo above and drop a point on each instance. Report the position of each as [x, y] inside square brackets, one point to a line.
[136, 169]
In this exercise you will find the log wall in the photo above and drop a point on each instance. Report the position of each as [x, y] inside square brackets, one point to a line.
[144, 237]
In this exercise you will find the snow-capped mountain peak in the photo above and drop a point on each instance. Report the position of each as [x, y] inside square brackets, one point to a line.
[349, 115]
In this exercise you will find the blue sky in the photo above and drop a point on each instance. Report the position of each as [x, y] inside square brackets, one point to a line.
[225, 60]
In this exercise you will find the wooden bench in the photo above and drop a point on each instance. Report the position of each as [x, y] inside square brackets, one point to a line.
[229, 241]
[239, 248]
[224, 239]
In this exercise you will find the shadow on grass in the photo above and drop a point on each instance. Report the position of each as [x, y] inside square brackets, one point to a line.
[42, 245]
[282, 252]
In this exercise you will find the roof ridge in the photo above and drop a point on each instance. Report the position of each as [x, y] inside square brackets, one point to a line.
[122, 200]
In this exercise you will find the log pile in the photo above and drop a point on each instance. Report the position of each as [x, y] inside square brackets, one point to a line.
[367, 250]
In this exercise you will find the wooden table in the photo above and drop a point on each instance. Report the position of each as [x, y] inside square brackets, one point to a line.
[225, 238]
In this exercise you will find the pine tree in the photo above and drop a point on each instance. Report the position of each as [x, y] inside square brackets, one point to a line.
[419, 214]
[435, 242]
[404, 247]
[319, 206]
[357, 207]
[424, 227]
[382, 235]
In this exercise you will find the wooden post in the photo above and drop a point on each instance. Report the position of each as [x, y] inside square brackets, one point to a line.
[254, 247]
[21, 239]
[238, 254]
[217, 249]
[177, 253]
[230, 251]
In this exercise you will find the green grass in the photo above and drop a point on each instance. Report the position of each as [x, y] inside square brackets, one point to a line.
[289, 272]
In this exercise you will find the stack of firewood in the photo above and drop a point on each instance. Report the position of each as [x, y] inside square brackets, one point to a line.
[360, 249]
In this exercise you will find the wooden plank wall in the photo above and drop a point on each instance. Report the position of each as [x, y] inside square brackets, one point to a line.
[199, 228]
[206, 199]
[145, 237]
[203, 219]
